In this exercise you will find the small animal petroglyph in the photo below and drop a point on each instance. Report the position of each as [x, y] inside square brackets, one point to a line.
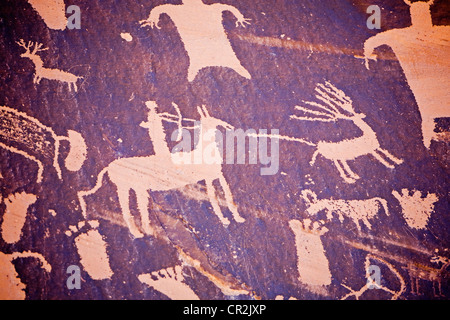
[170, 282]
[11, 288]
[339, 106]
[357, 210]
[415, 209]
[312, 264]
[25, 135]
[418, 271]
[46, 73]
[203, 34]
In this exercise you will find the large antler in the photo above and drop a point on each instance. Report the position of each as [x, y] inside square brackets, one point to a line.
[336, 104]
[27, 47]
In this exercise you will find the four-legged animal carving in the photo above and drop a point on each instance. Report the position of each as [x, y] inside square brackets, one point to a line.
[46, 73]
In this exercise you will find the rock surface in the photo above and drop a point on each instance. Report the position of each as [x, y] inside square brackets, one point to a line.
[354, 202]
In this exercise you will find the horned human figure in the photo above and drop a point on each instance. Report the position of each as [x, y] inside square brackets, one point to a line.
[45, 73]
[203, 34]
[422, 50]
[157, 173]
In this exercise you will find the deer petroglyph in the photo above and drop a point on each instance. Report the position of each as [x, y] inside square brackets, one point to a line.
[46, 73]
[339, 106]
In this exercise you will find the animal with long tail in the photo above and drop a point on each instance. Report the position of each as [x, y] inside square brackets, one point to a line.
[155, 173]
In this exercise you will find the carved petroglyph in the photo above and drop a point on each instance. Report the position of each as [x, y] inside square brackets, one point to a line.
[422, 50]
[11, 287]
[357, 210]
[419, 272]
[53, 12]
[312, 264]
[46, 73]
[15, 215]
[203, 35]
[395, 293]
[336, 105]
[158, 173]
[416, 209]
[92, 249]
[169, 282]
[25, 135]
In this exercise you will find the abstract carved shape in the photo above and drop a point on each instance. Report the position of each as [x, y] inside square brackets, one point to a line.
[339, 106]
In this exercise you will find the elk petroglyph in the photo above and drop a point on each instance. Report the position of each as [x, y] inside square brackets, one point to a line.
[160, 173]
[27, 136]
[336, 105]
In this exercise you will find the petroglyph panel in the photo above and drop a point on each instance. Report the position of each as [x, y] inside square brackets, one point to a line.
[224, 149]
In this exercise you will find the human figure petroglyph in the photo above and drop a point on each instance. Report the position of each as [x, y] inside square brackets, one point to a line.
[170, 282]
[395, 293]
[11, 287]
[357, 210]
[27, 136]
[416, 209]
[201, 30]
[46, 73]
[154, 173]
[14, 218]
[422, 50]
[336, 105]
[53, 12]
